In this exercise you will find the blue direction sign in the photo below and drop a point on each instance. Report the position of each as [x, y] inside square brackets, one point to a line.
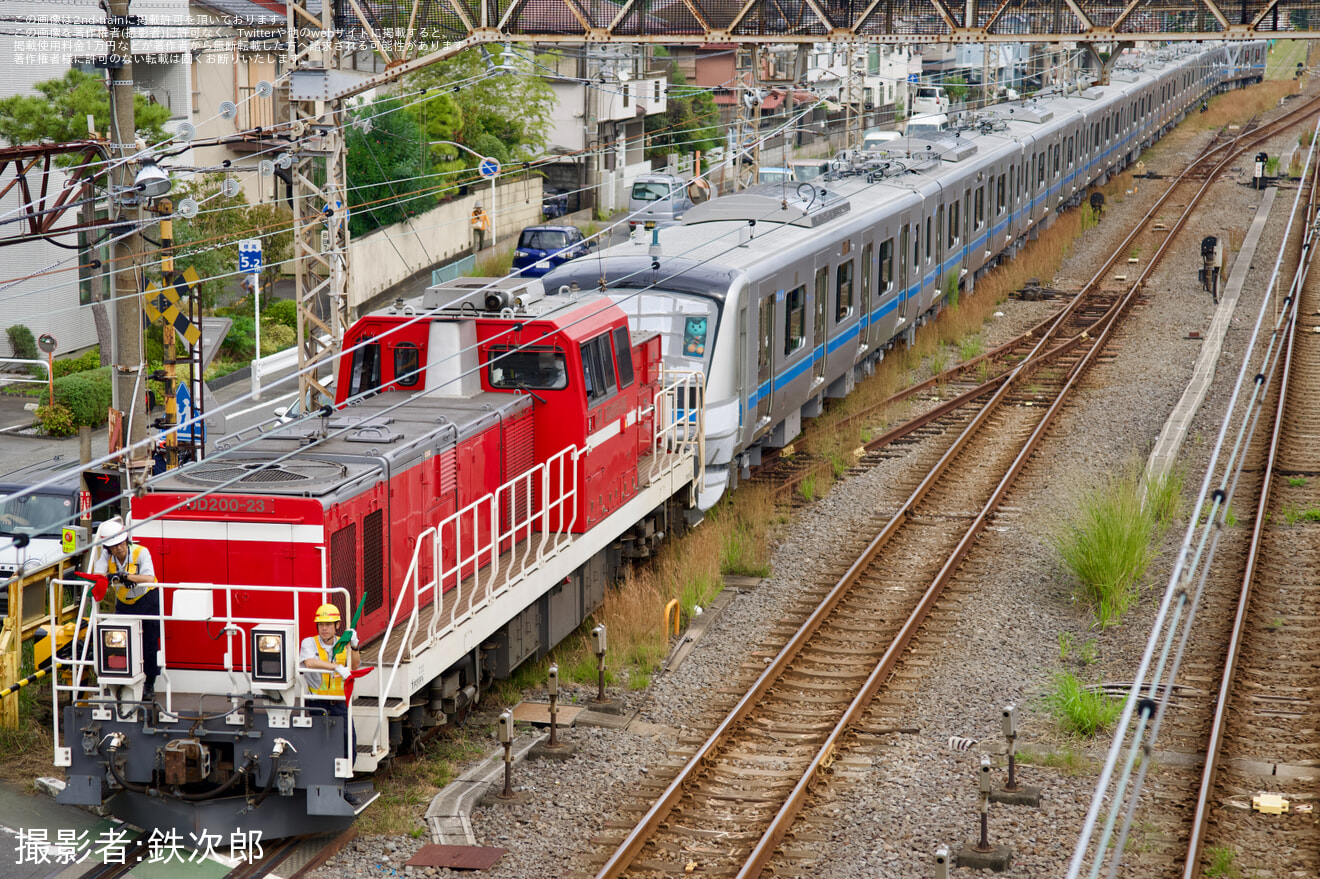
[249, 255]
[489, 168]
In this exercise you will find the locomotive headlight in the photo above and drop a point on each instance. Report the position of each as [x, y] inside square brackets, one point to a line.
[272, 659]
[119, 650]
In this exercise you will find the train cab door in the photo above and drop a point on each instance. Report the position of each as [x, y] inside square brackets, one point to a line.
[765, 333]
[819, 344]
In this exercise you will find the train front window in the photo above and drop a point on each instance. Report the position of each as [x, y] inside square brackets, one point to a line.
[537, 369]
[686, 323]
[407, 365]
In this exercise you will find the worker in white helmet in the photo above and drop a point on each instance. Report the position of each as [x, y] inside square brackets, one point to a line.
[129, 568]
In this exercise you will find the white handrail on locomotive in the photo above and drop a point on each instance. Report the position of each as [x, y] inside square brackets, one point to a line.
[678, 431]
[88, 611]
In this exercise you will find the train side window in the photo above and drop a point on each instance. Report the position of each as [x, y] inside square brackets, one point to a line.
[916, 245]
[1070, 151]
[598, 367]
[939, 232]
[365, 374]
[1040, 169]
[953, 223]
[623, 354]
[886, 266]
[928, 240]
[795, 319]
[999, 195]
[406, 365]
[843, 291]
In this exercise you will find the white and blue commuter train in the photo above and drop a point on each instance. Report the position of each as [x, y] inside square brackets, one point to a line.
[786, 295]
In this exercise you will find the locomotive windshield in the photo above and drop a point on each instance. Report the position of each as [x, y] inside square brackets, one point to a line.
[536, 368]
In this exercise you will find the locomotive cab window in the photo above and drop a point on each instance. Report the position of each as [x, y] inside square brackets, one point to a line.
[623, 352]
[598, 368]
[365, 371]
[541, 369]
[407, 365]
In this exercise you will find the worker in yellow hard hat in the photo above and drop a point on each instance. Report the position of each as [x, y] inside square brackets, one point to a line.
[318, 651]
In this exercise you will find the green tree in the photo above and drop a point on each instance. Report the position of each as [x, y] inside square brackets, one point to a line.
[504, 114]
[384, 145]
[442, 120]
[209, 241]
[690, 121]
[59, 112]
[956, 87]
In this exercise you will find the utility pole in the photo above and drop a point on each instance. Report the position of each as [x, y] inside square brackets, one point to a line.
[127, 207]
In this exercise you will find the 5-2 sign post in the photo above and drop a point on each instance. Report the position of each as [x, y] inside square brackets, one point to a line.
[249, 262]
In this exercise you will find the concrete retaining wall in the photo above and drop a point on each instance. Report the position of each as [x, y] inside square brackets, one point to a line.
[387, 256]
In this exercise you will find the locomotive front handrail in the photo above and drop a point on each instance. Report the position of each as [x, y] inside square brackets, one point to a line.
[233, 626]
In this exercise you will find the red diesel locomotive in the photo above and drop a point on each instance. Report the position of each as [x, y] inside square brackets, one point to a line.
[493, 456]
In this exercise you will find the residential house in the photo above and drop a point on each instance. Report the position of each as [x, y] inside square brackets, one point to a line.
[44, 287]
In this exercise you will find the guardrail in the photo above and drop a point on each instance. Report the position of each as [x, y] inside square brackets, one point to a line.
[270, 364]
[22, 378]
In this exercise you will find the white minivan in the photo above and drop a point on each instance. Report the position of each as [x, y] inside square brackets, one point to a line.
[930, 99]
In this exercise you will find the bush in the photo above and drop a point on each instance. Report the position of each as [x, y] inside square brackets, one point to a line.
[283, 312]
[89, 360]
[87, 395]
[56, 420]
[22, 342]
[241, 342]
[275, 338]
[1106, 546]
[1078, 709]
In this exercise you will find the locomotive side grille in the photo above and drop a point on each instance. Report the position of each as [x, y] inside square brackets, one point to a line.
[519, 457]
[343, 565]
[447, 466]
[373, 560]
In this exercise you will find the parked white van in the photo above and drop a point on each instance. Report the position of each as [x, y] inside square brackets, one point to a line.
[930, 99]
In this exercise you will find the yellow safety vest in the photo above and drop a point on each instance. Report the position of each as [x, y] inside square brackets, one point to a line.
[129, 593]
[331, 684]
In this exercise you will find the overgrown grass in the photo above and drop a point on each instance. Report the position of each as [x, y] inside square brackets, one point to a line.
[1239, 105]
[1221, 862]
[1069, 760]
[970, 347]
[1164, 499]
[1297, 481]
[1294, 514]
[1106, 545]
[497, 265]
[1079, 710]
[407, 785]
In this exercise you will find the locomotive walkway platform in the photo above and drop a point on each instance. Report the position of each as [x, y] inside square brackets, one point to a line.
[1174, 432]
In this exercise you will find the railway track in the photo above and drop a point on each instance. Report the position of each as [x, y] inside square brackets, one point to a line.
[1262, 733]
[755, 772]
[1245, 663]
[967, 384]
